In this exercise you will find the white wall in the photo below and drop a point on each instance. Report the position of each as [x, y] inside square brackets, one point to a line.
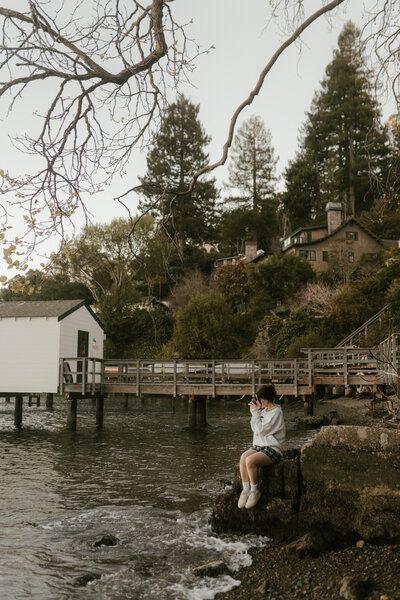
[30, 349]
[83, 320]
[29, 355]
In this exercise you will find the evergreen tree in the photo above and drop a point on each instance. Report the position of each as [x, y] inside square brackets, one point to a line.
[177, 152]
[343, 142]
[252, 166]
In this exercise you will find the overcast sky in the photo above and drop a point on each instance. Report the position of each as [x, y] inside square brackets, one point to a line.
[244, 41]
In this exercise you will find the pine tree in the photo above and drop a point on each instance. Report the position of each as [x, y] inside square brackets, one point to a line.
[252, 166]
[343, 142]
[177, 152]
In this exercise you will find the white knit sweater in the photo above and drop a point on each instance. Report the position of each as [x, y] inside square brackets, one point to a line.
[268, 427]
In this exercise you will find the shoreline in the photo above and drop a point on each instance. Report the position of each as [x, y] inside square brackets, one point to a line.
[280, 571]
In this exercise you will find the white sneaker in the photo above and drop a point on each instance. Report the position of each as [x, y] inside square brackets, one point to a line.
[243, 498]
[253, 499]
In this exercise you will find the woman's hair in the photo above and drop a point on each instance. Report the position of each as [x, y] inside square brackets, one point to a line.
[268, 392]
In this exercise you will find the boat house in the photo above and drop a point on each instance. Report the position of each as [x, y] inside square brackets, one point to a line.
[35, 335]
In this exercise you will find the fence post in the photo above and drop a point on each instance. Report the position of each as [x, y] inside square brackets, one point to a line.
[253, 378]
[174, 378]
[93, 376]
[213, 378]
[61, 377]
[84, 365]
[295, 377]
[138, 378]
[345, 372]
[310, 382]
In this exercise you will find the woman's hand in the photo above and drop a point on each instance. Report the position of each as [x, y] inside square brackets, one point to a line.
[254, 403]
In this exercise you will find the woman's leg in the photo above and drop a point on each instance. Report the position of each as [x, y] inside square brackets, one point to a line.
[252, 462]
[243, 466]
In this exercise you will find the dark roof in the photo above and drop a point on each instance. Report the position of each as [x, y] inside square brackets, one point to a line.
[349, 220]
[46, 308]
[305, 229]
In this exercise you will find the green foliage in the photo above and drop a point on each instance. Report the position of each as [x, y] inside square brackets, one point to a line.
[313, 339]
[177, 152]
[362, 298]
[206, 328]
[38, 285]
[299, 323]
[242, 224]
[393, 300]
[270, 324]
[252, 165]
[342, 140]
[138, 331]
[277, 279]
[232, 282]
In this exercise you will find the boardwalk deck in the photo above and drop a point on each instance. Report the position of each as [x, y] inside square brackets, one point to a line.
[296, 377]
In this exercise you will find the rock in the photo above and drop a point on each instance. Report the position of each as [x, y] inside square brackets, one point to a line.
[211, 569]
[85, 579]
[304, 546]
[106, 540]
[360, 544]
[346, 486]
[351, 483]
[263, 588]
[354, 589]
[309, 422]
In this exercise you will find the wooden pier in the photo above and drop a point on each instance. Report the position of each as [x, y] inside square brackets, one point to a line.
[215, 378]
[96, 378]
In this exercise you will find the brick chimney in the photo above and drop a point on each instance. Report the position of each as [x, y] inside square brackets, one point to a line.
[334, 215]
[250, 250]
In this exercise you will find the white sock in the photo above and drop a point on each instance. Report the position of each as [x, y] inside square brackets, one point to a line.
[246, 486]
[254, 487]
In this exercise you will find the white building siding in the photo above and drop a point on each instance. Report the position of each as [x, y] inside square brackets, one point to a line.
[29, 354]
[80, 319]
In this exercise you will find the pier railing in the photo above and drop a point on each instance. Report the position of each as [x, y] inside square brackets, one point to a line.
[388, 358]
[320, 366]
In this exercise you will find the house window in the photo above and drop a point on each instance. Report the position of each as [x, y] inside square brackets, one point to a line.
[307, 254]
[308, 234]
[352, 235]
[325, 255]
[351, 257]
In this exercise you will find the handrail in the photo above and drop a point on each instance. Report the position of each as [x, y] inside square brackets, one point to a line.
[362, 327]
[333, 366]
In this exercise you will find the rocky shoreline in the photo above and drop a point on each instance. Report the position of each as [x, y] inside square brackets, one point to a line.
[354, 573]
[319, 566]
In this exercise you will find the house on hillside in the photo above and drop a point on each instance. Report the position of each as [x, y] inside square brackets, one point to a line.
[338, 243]
[35, 335]
[251, 254]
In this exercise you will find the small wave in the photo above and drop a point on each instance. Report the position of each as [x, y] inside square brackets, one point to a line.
[207, 589]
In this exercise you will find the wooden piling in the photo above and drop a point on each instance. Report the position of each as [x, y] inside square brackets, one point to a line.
[308, 403]
[18, 411]
[29, 400]
[125, 401]
[99, 411]
[201, 411]
[49, 401]
[71, 414]
[192, 412]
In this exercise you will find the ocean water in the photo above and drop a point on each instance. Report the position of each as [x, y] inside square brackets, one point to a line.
[144, 478]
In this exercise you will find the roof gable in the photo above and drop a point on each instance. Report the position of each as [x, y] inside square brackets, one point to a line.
[58, 309]
[333, 233]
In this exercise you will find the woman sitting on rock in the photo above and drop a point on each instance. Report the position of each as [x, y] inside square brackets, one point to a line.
[269, 432]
